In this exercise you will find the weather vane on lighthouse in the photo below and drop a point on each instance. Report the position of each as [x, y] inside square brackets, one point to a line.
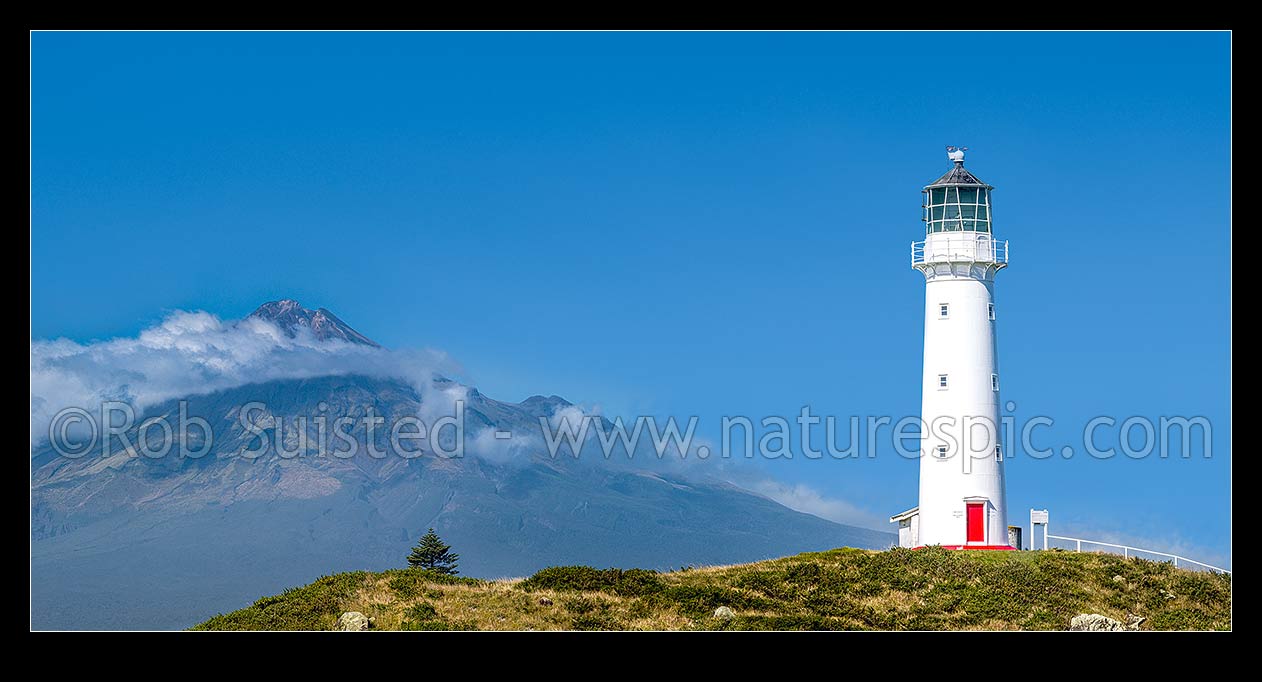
[956, 154]
[962, 500]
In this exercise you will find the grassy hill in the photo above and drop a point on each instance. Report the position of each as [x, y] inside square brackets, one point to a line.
[842, 589]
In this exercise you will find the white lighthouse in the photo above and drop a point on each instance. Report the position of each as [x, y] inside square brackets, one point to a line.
[962, 502]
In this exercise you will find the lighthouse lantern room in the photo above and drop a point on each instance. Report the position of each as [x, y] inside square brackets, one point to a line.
[962, 504]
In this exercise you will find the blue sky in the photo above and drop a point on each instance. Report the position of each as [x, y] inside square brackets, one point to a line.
[688, 224]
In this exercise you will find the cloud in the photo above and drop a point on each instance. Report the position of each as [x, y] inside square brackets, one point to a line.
[514, 450]
[192, 353]
[807, 500]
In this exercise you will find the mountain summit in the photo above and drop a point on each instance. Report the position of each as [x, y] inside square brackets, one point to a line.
[289, 315]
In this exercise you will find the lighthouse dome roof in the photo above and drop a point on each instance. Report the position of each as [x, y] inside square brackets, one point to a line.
[958, 176]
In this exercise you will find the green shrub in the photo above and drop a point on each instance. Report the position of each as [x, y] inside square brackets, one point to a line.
[590, 613]
[437, 625]
[702, 600]
[581, 605]
[787, 622]
[420, 611]
[312, 607]
[596, 621]
[633, 582]
[425, 625]
[410, 583]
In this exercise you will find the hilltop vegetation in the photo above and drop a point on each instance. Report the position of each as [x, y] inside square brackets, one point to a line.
[843, 589]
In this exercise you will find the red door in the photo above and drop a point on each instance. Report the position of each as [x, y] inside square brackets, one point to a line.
[977, 523]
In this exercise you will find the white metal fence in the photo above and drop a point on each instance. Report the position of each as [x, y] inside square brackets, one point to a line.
[1130, 551]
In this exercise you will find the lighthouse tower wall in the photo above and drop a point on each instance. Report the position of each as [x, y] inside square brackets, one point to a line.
[960, 408]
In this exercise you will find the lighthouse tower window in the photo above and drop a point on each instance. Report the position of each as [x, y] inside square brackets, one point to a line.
[990, 310]
[944, 310]
[994, 382]
[942, 381]
[998, 453]
[942, 451]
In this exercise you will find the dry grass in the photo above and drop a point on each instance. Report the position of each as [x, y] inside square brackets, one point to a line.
[842, 589]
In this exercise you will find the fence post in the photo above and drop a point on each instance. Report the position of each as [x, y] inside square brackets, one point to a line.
[1079, 546]
[1176, 562]
[1126, 553]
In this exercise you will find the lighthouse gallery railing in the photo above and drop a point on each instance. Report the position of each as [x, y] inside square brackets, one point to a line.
[962, 247]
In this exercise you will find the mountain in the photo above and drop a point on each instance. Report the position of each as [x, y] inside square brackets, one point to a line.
[290, 316]
[843, 589]
[132, 541]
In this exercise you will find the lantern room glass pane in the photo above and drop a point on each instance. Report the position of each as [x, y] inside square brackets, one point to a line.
[955, 209]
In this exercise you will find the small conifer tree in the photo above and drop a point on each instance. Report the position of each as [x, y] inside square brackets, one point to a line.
[432, 554]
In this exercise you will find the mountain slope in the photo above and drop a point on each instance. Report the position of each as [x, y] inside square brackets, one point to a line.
[134, 542]
[845, 589]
